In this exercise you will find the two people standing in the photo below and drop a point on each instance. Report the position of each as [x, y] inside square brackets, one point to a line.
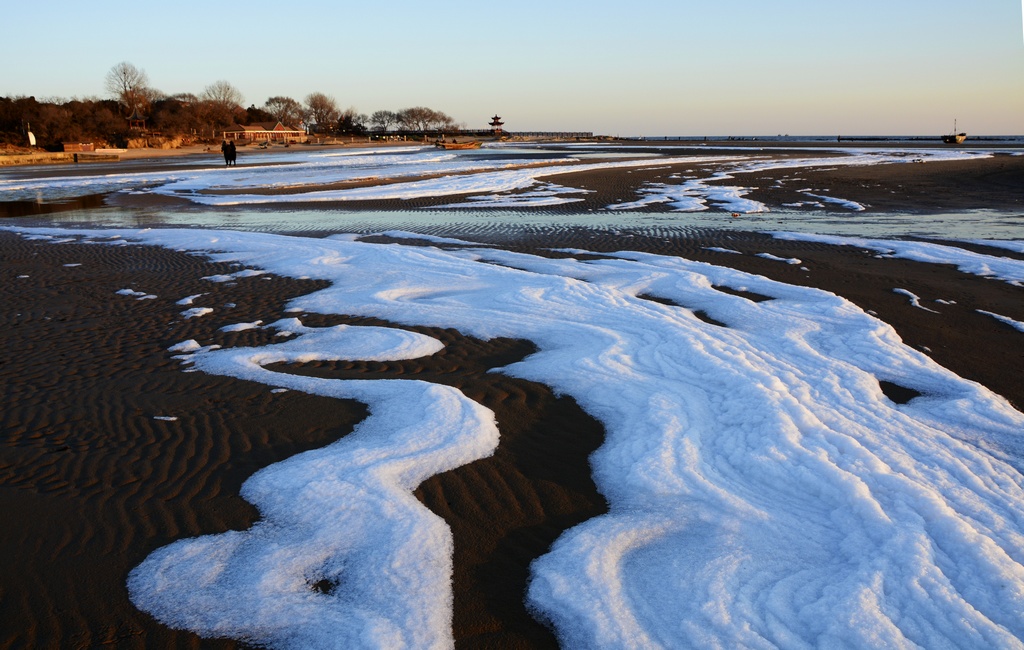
[229, 151]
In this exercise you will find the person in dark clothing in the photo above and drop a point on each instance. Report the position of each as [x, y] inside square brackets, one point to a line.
[232, 153]
[224, 150]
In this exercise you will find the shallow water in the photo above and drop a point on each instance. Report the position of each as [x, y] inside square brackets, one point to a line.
[980, 224]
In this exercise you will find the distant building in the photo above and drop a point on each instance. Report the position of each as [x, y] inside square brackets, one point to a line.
[263, 132]
[496, 125]
[136, 122]
[75, 147]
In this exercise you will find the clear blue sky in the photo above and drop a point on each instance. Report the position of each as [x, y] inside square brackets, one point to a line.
[630, 67]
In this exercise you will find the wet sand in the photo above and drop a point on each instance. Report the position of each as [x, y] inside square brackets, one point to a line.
[91, 482]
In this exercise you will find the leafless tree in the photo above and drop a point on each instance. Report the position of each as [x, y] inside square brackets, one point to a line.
[445, 122]
[286, 110]
[383, 120]
[127, 84]
[223, 95]
[221, 102]
[421, 118]
[414, 119]
[151, 96]
[185, 98]
[323, 109]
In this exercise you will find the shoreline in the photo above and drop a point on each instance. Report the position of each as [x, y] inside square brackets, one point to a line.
[40, 157]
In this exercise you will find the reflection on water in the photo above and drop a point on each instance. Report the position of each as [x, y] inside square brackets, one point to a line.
[979, 224]
[39, 206]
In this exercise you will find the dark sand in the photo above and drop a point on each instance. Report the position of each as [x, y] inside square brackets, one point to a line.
[91, 483]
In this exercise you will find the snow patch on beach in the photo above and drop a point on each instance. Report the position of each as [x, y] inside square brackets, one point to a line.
[138, 295]
[989, 266]
[915, 301]
[849, 205]
[1015, 246]
[763, 491]
[188, 300]
[340, 528]
[693, 196]
[1015, 324]
[196, 312]
[775, 258]
[241, 327]
[543, 195]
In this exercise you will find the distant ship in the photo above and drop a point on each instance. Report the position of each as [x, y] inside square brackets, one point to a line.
[954, 137]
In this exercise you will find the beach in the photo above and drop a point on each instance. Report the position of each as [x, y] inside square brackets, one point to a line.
[113, 447]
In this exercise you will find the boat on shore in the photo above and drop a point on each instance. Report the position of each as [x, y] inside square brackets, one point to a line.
[454, 144]
[954, 137]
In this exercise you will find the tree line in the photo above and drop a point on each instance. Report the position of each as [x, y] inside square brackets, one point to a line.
[194, 118]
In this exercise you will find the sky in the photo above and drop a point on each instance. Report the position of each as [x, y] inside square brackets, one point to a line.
[646, 67]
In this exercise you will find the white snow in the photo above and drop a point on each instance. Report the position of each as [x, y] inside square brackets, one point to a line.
[763, 491]
[849, 205]
[1000, 268]
[693, 196]
[190, 345]
[196, 312]
[241, 327]
[775, 258]
[220, 277]
[138, 295]
[915, 301]
[544, 194]
[1015, 246]
[188, 300]
[1015, 324]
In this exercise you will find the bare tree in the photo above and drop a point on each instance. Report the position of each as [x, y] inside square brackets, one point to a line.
[413, 119]
[286, 110]
[351, 122]
[127, 84]
[383, 120]
[221, 104]
[421, 118]
[323, 109]
[444, 122]
[223, 96]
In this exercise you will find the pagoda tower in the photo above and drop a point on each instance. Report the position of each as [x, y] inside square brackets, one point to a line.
[136, 121]
[496, 125]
